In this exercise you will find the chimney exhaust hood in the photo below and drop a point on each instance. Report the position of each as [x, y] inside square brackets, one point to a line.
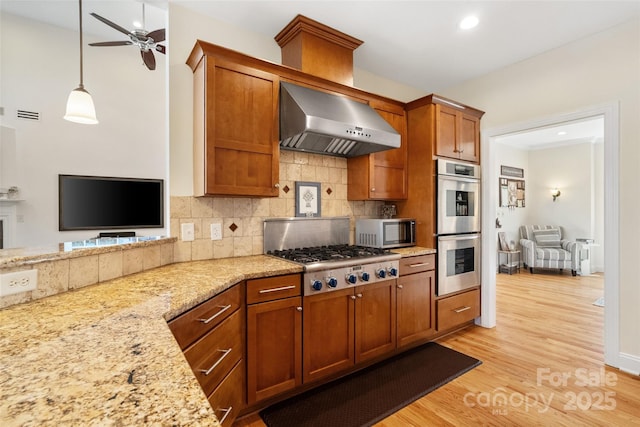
[319, 122]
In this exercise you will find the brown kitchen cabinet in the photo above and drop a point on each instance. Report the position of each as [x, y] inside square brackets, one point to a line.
[342, 328]
[236, 130]
[211, 336]
[381, 175]
[274, 336]
[457, 133]
[456, 310]
[416, 314]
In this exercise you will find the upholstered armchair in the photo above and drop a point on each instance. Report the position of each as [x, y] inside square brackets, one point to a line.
[543, 247]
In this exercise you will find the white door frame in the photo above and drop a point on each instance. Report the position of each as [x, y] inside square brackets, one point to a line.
[610, 112]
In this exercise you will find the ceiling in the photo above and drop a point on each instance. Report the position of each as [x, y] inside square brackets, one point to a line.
[416, 43]
[575, 132]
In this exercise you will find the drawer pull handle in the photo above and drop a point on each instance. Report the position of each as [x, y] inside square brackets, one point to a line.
[461, 309]
[225, 353]
[226, 413]
[420, 264]
[281, 288]
[223, 309]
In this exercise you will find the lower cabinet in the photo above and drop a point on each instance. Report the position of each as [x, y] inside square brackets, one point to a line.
[349, 326]
[274, 336]
[458, 309]
[211, 336]
[416, 299]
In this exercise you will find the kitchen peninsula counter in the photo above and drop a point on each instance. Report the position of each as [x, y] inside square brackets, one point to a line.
[104, 355]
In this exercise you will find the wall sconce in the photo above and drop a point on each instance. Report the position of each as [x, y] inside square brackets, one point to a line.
[555, 193]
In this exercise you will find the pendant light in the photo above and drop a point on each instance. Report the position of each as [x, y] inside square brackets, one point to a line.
[80, 107]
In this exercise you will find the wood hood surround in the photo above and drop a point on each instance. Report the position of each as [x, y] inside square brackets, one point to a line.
[317, 49]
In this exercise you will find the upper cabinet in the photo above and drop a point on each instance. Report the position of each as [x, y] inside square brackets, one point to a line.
[381, 175]
[456, 129]
[236, 130]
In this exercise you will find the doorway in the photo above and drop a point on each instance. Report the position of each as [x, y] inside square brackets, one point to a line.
[609, 113]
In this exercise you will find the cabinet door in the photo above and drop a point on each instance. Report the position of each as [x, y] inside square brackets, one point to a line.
[241, 153]
[375, 319]
[328, 328]
[416, 311]
[274, 348]
[381, 175]
[446, 131]
[469, 138]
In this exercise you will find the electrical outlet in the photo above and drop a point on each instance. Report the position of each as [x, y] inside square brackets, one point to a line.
[216, 231]
[20, 281]
[188, 232]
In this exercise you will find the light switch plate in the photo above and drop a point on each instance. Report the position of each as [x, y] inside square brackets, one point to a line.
[187, 232]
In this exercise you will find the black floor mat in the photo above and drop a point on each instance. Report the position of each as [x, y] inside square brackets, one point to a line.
[366, 397]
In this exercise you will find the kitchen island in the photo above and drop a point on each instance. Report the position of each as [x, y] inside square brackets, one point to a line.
[104, 355]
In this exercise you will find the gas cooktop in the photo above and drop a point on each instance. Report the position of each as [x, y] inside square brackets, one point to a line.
[328, 253]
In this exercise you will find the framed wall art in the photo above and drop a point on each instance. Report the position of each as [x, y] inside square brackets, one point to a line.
[308, 199]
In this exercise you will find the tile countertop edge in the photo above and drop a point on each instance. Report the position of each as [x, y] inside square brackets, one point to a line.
[413, 251]
[104, 354]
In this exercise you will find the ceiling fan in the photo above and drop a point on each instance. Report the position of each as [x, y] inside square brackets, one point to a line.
[146, 41]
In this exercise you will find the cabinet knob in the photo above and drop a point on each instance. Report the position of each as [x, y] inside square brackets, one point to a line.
[373, 189]
[299, 308]
[352, 296]
[400, 286]
[277, 185]
[359, 295]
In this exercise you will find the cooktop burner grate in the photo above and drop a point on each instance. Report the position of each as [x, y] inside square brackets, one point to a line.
[327, 253]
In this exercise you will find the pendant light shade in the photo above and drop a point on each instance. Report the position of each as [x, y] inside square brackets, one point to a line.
[80, 108]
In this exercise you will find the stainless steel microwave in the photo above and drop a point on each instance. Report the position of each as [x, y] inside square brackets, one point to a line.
[386, 233]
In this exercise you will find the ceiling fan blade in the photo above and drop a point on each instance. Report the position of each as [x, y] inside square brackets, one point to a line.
[120, 43]
[160, 48]
[111, 24]
[149, 59]
[157, 35]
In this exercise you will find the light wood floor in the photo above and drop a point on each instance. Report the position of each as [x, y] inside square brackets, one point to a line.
[543, 364]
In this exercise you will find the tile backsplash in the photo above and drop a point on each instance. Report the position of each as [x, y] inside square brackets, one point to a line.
[242, 218]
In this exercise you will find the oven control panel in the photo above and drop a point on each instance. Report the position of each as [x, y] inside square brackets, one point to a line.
[346, 277]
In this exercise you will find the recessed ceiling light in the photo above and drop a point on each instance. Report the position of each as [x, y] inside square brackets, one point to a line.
[469, 22]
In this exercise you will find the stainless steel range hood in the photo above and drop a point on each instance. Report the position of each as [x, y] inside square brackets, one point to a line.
[319, 122]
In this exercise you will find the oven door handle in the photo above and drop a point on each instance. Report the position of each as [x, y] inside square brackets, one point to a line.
[458, 178]
[460, 237]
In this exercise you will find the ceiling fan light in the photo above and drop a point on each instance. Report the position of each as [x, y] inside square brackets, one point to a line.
[80, 108]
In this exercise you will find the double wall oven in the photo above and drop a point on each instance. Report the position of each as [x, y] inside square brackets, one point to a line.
[458, 226]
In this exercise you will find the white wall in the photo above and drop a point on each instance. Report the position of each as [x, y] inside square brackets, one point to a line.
[569, 169]
[39, 67]
[593, 71]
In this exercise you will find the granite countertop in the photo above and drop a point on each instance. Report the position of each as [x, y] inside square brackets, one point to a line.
[413, 251]
[104, 355]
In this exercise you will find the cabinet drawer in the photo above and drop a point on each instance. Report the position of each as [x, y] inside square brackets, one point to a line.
[196, 322]
[272, 288]
[212, 357]
[228, 399]
[458, 309]
[417, 264]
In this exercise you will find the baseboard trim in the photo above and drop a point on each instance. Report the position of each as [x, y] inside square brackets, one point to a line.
[629, 363]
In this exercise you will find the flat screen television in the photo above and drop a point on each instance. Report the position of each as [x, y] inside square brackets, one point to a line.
[103, 203]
